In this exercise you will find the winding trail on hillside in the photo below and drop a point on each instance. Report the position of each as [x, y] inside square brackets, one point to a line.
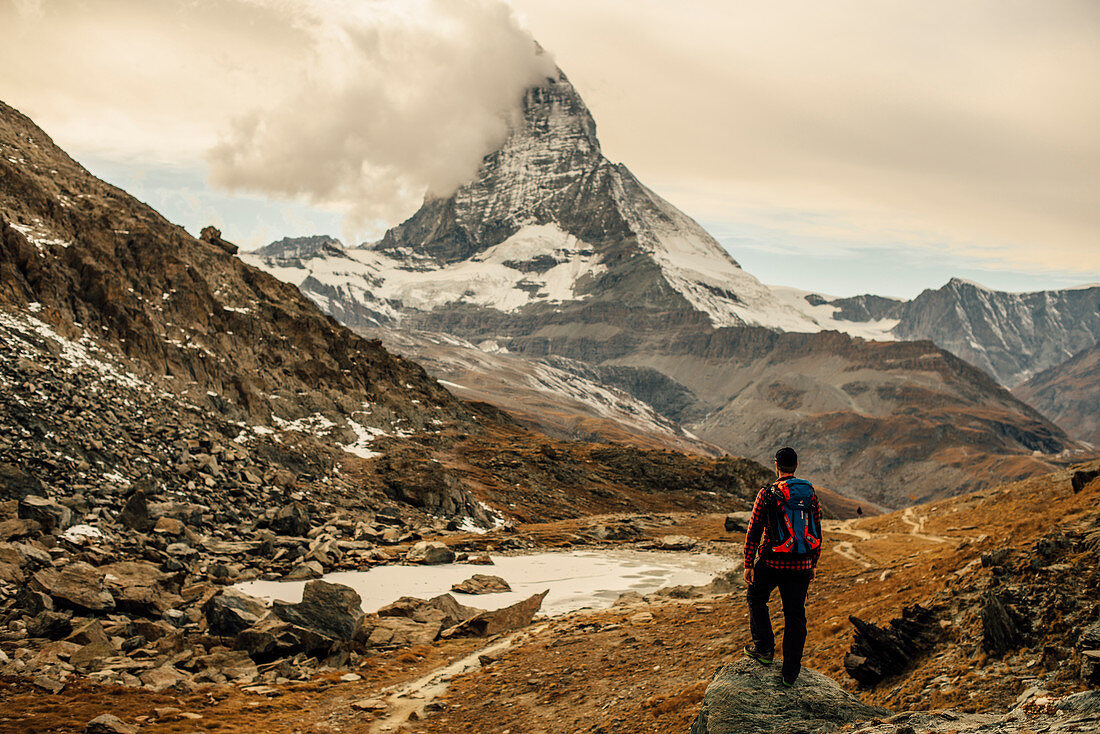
[916, 527]
[847, 549]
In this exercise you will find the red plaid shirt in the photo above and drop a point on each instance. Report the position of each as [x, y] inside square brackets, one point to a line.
[758, 526]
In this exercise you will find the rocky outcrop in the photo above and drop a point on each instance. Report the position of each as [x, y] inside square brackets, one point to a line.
[878, 653]
[746, 696]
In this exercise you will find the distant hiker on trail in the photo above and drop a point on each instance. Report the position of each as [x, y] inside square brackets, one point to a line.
[786, 528]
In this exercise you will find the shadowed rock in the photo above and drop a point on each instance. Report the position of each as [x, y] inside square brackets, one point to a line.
[880, 652]
[746, 696]
[1002, 626]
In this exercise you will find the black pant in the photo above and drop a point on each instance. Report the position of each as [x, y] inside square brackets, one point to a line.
[793, 586]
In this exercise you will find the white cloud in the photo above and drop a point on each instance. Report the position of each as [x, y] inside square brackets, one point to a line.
[397, 98]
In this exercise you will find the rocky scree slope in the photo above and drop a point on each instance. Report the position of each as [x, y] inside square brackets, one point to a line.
[1069, 394]
[552, 252]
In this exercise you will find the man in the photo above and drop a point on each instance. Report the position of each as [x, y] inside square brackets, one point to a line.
[786, 528]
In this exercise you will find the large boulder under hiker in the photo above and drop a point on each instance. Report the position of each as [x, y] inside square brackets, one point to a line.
[748, 696]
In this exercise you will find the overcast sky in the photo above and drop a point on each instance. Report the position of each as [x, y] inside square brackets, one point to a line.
[844, 147]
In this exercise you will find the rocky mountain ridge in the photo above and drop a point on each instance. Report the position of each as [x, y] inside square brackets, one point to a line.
[1069, 394]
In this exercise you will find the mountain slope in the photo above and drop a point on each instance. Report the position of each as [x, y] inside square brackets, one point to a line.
[1069, 394]
[134, 355]
[1012, 336]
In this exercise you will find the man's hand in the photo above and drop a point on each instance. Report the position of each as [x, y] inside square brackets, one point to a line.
[748, 575]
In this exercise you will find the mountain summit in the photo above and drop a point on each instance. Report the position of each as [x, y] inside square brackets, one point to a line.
[547, 221]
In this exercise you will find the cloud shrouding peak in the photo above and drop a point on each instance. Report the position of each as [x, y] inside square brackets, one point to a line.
[394, 99]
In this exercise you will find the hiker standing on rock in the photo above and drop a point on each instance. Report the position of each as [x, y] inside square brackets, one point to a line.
[786, 528]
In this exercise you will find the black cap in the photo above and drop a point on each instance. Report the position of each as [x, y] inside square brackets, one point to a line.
[786, 458]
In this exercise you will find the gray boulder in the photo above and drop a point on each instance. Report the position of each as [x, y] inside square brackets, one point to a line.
[109, 724]
[332, 610]
[746, 696]
[231, 612]
[430, 553]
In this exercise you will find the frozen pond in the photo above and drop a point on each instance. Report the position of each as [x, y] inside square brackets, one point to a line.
[576, 579]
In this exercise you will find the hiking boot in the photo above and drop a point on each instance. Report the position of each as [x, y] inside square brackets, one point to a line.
[759, 657]
[787, 683]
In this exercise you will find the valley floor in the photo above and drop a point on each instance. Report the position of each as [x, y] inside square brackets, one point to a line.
[644, 664]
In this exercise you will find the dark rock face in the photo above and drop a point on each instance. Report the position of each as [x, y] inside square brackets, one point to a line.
[293, 519]
[746, 696]
[15, 484]
[328, 609]
[1082, 478]
[50, 515]
[1003, 627]
[273, 638]
[1012, 336]
[881, 652]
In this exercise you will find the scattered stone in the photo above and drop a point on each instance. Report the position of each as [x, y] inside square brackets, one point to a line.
[482, 560]
[109, 724]
[77, 585]
[162, 678]
[641, 618]
[675, 543]
[305, 570]
[430, 553]
[481, 583]
[399, 632]
[169, 526]
[369, 704]
[231, 612]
